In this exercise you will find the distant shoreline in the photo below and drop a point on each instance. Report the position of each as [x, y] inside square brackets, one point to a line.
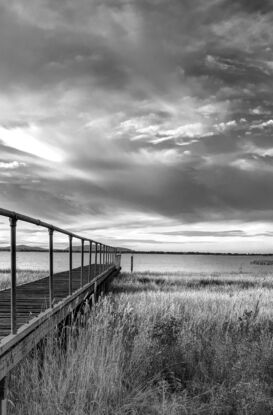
[131, 252]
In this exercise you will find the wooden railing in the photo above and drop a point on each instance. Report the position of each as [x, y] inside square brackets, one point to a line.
[104, 255]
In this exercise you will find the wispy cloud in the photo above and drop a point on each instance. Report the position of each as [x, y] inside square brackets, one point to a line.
[127, 109]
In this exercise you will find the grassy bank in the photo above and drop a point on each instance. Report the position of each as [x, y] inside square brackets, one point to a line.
[160, 344]
[23, 276]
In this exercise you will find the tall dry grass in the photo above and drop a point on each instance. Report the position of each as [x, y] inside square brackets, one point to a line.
[159, 345]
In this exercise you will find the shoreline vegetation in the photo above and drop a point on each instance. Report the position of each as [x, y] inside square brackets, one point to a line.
[159, 344]
[262, 262]
[77, 248]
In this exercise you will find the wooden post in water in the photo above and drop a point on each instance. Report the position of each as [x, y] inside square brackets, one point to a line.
[13, 223]
[70, 265]
[132, 263]
[51, 293]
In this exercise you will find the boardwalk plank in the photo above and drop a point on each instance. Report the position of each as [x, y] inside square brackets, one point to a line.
[34, 325]
[33, 297]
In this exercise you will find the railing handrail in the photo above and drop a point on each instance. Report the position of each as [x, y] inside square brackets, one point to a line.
[106, 253]
[38, 222]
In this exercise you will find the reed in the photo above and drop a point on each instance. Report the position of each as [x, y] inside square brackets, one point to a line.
[159, 345]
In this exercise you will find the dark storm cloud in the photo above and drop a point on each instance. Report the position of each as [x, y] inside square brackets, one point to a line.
[154, 108]
[250, 6]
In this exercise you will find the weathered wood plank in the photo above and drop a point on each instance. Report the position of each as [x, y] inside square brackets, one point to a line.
[34, 325]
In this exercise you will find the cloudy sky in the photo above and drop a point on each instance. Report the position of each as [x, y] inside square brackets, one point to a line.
[141, 123]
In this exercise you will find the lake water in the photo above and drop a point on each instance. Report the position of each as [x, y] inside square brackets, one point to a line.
[148, 262]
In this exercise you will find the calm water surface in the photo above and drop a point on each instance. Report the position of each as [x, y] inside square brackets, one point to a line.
[196, 263]
[147, 262]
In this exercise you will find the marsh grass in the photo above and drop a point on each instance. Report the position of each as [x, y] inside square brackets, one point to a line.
[159, 344]
[23, 276]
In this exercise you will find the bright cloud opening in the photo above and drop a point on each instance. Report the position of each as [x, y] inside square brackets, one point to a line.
[22, 140]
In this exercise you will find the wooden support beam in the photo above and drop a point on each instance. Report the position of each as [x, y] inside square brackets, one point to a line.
[3, 396]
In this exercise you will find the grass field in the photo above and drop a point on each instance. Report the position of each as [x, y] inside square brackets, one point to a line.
[160, 344]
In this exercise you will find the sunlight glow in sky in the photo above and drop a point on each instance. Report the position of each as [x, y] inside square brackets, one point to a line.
[21, 140]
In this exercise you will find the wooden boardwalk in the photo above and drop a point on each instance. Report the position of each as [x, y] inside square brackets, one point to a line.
[35, 319]
[33, 298]
[29, 312]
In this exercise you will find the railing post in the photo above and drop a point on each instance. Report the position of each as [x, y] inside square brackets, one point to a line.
[51, 293]
[105, 256]
[70, 264]
[105, 250]
[13, 223]
[132, 263]
[82, 262]
[96, 259]
[100, 258]
[90, 260]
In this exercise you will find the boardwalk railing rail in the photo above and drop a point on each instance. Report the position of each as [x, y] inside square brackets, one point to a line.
[104, 256]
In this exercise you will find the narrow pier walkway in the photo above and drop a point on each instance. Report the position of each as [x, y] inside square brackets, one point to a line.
[29, 312]
[32, 298]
